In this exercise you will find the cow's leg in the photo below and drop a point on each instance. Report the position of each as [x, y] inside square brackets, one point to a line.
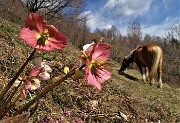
[147, 74]
[142, 73]
[159, 71]
[151, 80]
[144, 77]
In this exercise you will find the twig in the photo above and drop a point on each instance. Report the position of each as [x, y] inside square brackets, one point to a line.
[16, 76]
[2, 112]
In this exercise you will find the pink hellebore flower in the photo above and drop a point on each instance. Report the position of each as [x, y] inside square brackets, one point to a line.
[96, 55]
[31, 84]
[27, 85]
[41, 69]
[42, 36]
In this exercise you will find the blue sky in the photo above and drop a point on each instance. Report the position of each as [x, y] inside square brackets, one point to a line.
[155, 16]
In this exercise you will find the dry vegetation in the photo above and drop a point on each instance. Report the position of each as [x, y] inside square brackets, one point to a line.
[124, 92]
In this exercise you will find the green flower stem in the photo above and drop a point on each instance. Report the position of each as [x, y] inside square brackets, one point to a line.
[16, 76]
[45, 91]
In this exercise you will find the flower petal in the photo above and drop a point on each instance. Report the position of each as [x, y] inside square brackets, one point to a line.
[56, 39]
[103, 74]
[44, 47]
[85, 47]
[27, 84]
[46, 67]
[35, 71]
[35, 21]
[29, 36]
[101, 51]
[25, 91]
[92, 79]
[89, 49]
[35, 84]
[44, 76]
[97, 77]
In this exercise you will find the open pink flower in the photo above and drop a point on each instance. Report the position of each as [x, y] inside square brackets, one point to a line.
[42, 36]
[96, 55]
[41, 69]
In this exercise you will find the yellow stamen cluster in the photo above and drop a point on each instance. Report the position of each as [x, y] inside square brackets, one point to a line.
[45, 36]
[97, 64]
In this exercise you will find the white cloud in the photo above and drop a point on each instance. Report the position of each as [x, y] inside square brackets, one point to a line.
[124, 8]
[106, 26]
[120, 12]
[96, 20]
[113, 11]
[160, 29]
[91, 23]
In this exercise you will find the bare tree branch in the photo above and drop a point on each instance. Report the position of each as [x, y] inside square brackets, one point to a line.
[54, 8]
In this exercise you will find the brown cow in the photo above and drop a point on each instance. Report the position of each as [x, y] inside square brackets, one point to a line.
[148, 57]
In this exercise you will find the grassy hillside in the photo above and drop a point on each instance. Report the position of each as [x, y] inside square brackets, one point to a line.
[124, 92]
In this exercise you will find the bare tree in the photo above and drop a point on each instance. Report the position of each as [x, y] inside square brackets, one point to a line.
[113, 33]
[54, 8]
[147, 39]
[134, 34]
[171, 50]
[175, 32]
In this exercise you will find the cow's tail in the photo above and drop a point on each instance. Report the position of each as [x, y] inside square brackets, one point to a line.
[157, 55]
